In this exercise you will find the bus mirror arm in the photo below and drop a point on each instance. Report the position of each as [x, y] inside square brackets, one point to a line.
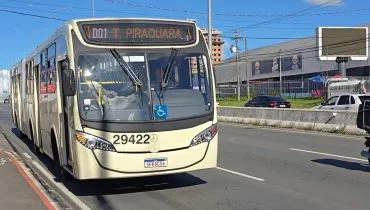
[69, 83]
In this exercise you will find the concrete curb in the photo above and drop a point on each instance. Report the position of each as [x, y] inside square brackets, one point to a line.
[60, 189]
[308, 126]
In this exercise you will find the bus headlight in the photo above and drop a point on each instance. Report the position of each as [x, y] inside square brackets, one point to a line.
[93, 142]
[205, 136]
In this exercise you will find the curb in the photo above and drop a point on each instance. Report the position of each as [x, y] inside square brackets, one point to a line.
[60, 189]
[319, 127]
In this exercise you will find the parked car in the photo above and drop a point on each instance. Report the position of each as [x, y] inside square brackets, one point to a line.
[344, 102]
[268, 101]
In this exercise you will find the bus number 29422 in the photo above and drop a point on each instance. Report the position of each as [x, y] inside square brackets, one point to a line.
[133, 139]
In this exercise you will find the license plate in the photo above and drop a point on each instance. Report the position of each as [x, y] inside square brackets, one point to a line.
[155, 163]
[282, 105]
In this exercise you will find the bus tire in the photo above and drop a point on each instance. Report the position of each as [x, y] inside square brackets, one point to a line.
[35, 148]
[21, 134]
[60, 173]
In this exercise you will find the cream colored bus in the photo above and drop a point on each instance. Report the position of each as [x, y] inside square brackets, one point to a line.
[120, 97]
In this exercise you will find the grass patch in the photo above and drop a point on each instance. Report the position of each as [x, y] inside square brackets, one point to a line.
[298, 103]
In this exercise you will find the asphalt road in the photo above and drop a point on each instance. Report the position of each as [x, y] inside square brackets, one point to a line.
[258, 169]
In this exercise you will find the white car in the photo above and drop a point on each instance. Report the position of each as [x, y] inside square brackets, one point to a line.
[344, 102]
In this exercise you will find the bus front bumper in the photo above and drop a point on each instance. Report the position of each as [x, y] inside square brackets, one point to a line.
[97, 164]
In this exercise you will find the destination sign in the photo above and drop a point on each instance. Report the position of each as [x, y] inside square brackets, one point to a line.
[137, 33]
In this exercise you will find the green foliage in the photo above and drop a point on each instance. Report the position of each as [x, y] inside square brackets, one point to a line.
[298, 103]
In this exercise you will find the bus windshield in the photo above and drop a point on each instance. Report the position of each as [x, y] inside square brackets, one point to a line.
[106, 91]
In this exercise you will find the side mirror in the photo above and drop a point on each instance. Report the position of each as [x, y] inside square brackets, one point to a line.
[69, 83]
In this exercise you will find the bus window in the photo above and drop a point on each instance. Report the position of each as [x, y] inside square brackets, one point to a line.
[43, 74]
[51, 69]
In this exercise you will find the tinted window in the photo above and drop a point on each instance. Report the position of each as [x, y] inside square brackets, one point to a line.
[353, 100]
[343, 100]
[256, 100]
[364, 98]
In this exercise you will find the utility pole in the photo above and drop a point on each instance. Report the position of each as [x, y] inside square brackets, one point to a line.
[237, 63]
[93, 8]
[246, 67]
[210, 28]
[281, 85]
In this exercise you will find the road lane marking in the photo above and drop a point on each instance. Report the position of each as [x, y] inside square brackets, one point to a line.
[240, 174]
[327, 154]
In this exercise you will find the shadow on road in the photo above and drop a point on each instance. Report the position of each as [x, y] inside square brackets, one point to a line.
[132, 185]
[344, 164]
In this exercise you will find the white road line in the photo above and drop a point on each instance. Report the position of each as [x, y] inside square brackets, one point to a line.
[27, 155]
[240, 174]
[327, 154]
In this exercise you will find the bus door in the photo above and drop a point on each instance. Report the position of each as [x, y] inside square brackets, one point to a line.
[36, 105]
[67, 113]
[44, 106]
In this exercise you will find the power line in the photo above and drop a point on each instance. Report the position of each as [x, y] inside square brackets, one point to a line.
[150, 6]
[87, 9]
[315, 48]
[291, 15]
[32, 15]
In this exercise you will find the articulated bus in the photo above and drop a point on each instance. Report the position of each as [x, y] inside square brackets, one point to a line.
[119, 97]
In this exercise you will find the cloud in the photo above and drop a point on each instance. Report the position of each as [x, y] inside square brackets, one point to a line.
[226, 49]
[318, 2]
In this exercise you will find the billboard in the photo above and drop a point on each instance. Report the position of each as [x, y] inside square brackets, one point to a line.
[288, 63]
[349, 42]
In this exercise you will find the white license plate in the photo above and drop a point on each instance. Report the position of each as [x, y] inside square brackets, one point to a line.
[155, 163]
[282, 105]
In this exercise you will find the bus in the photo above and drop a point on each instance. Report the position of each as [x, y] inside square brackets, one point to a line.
[119, 97]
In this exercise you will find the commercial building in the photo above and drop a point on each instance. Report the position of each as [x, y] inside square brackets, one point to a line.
[299, 61]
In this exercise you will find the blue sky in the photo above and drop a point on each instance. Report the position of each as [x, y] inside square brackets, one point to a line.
[21, 34]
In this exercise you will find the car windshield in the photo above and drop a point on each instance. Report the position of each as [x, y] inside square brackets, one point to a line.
[107, 92]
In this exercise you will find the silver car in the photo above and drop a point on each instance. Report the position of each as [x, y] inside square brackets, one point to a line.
[344, 102]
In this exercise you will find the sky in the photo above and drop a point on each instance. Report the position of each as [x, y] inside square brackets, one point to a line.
[263, 22]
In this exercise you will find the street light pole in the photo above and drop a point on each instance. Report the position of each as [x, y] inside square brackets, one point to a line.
[210, 28]
[237, 63]
[280, 73]
[246, 67]
[93, 8]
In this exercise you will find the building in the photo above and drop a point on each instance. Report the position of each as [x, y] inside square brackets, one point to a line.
[299, 61]
[4, 84]
[217, 43]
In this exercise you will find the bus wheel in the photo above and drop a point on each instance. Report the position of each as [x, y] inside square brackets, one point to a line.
[60, 173]
[35, 148]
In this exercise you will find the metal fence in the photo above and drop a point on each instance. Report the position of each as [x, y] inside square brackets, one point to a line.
[290, 89]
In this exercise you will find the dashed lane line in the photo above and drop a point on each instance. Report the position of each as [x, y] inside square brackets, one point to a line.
[241, 174]
[327, 154]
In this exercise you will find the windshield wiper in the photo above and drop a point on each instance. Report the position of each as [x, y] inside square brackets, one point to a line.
[126, 68]
[166, 75]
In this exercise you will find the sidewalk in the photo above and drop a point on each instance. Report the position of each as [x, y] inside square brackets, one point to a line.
[18, 189]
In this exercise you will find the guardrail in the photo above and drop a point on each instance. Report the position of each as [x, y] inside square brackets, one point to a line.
[306, 119]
